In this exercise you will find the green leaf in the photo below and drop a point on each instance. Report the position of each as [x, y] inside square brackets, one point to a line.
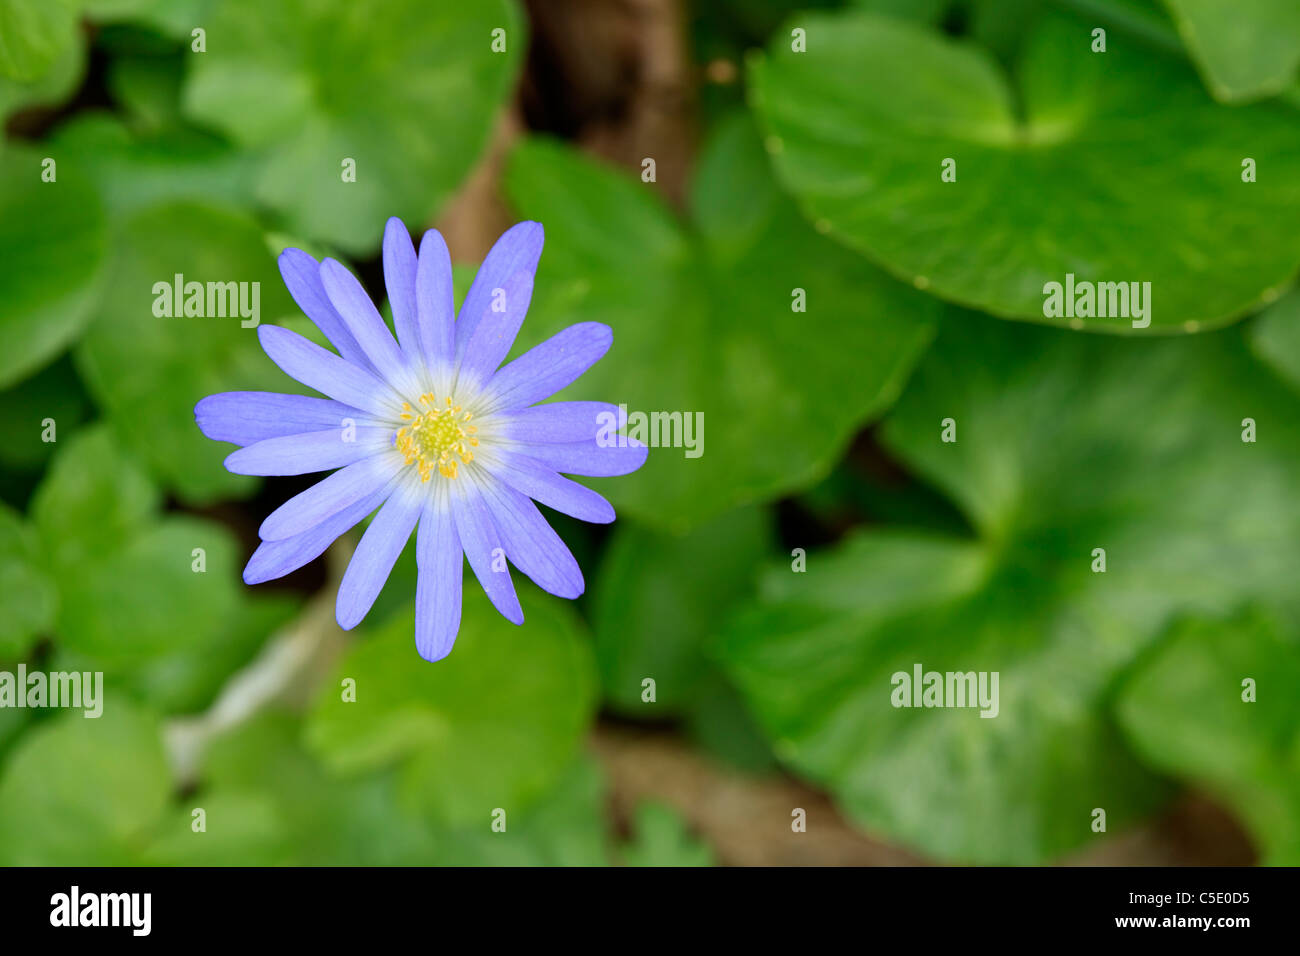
[148, 87]
[49, 89]
[409, 95]
[1111, 167]
[1064, 444]
[566, 827]
[1146, 20]
[720, 724]
[13, 723]
[147, 600]
[325, 820]
[1275, 336]
[171, 163]
[53, 243]
[148, 371]
[30, 597]
[491, 726]
[318, 819]
[704, 323]
[80, 791]
[662, 839]
[114, 10]
[187, 677]
[1245, 50]
[924, 11]
[174, 18]
[128, 582]
[93, 497]
[658, 599]
[51, 396]
[33, 34]
[239, 829]
[1003, 25]
[1187, 712]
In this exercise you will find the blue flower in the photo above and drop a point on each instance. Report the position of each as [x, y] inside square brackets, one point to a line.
[428, 429]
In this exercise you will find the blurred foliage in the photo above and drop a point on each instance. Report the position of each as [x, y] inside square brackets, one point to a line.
[499, 722]
[35, 35]
[707, 321]
[654, 601]
[1245, 50]
[1276, 337]
[140, 367]
[662, 839]
[1050, 425]
[53, 244]
[84, 792]
[48, 89]
[826, 538]
[1217, 703]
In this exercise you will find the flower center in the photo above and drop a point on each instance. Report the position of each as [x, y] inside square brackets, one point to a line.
[437, 436]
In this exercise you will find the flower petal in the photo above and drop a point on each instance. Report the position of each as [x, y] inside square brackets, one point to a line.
[518, 250]
[542, 484]
[306, 362]
[531, 544]
[593, 458]
[441, 563]
[482, 542]
[560, 422]
[496, 330]
[435, 301]
[275, 559]
[546, 368]
[301, 275]
[329, 496]
[375, 556]
[400, 266]
[366, 325]
[247, 417]
[309, 451]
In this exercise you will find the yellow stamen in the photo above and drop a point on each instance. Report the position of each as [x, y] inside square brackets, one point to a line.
[438, 437]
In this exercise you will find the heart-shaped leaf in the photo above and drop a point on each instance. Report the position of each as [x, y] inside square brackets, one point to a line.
[1111, 167]
[1111, 485]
